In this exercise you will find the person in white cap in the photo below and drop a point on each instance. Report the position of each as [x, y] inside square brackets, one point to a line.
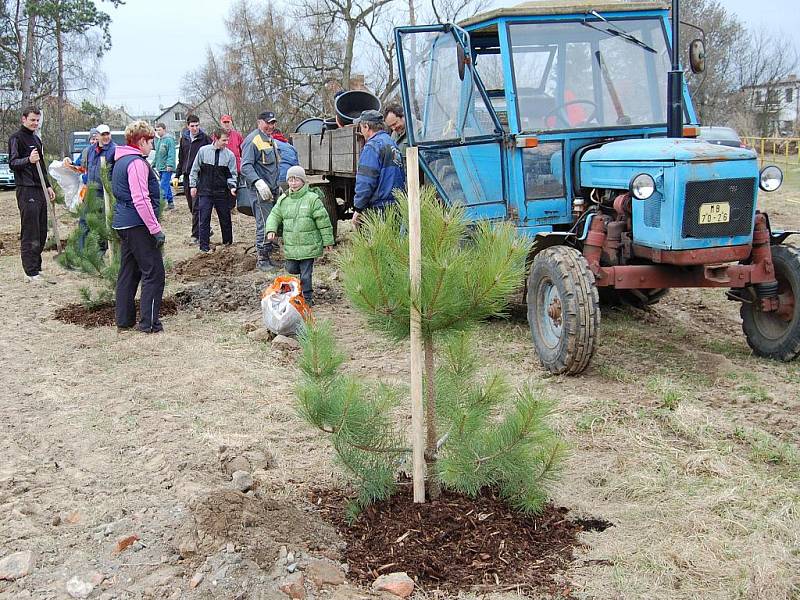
[306, 228]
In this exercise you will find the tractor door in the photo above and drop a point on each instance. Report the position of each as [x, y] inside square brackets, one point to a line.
[450, 118]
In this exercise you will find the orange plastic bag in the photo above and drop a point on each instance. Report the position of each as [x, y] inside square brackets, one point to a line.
[283, 308]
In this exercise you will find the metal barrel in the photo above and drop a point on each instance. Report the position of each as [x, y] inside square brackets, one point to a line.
[350, 105]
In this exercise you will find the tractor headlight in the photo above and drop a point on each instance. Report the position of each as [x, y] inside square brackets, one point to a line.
[770, 179]
[642, 186]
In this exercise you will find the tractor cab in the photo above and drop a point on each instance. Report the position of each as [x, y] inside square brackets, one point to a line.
[571, 120]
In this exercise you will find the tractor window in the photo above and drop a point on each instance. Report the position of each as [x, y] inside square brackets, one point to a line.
[544, 171]
[443, 106]
[584, 75]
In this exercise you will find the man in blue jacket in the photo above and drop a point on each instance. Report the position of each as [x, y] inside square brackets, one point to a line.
[288, 158]
[100, 154]
[380, 166]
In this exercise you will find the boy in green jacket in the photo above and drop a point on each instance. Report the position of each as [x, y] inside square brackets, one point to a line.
[306, 228]
[164, 162]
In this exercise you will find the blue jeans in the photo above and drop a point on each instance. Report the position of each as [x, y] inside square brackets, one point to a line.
[166, 188]
[304, 268]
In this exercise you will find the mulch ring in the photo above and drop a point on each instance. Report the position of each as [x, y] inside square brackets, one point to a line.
[236, 259]
[457, 543]
[103, 315]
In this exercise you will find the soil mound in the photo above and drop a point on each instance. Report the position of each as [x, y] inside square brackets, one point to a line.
[222, 294]
[103, 315]
[259, 526]
[237, 259]
[457, 543]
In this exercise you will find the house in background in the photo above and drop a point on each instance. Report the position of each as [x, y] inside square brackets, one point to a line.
[174, 117]
[776, 105]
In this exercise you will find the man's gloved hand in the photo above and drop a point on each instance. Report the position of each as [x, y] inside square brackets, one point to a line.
[160, 239]
[263, 190]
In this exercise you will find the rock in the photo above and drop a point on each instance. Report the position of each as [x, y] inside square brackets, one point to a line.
[250, 327]
[78, 587]
[397, 584]
[242, 481]
[17, 565]
[285, 343]
[196, 579]
[187, 546]
[291, 567]
[324, 572]
[333, 276]
[231, 464]
[260, 335]
[292, 586]
[124, 543]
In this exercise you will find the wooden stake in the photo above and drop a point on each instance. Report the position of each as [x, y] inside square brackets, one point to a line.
[415, 268]
[51, 205]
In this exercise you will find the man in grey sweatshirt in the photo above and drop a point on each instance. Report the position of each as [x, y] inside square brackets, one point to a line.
[212, 182]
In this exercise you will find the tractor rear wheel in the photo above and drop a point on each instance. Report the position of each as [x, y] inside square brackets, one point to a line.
[563, 310]
[776, 334]
[328, 198]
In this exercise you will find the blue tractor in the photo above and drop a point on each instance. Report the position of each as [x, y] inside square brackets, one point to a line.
[572, 121]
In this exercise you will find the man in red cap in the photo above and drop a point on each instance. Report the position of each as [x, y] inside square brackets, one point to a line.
[235, 139]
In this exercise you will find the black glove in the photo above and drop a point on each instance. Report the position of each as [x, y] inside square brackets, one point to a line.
[160, 239]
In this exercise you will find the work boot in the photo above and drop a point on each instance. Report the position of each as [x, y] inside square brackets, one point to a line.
[266, 265]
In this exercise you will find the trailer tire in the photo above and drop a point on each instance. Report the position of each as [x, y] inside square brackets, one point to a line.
[767, 334]
[328, 198]
[563, 310]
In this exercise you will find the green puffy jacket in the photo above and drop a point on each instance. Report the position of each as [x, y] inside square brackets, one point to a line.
[306, 225]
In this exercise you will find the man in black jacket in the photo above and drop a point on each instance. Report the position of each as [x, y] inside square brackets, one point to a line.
[24, 151]
[192, 139]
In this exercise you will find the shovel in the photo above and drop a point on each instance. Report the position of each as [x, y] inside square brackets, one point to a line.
[52, 205]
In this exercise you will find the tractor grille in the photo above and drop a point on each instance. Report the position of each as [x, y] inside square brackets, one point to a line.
[740, 193]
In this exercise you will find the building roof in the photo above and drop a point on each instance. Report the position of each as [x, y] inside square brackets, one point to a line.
[169, 109]
[565, 7]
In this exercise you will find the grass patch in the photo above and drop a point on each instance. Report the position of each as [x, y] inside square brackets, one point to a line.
[765, 448]
[667, 391]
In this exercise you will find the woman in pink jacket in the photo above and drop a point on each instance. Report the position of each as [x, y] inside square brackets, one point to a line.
[137, 193]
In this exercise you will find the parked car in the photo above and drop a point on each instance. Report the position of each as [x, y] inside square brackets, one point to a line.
[6, 176]
[722, 136]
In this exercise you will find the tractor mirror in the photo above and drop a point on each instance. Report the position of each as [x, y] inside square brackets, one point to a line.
[697, 56]
[462, 61]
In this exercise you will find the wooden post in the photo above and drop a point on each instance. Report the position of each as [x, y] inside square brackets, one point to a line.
[415, 269]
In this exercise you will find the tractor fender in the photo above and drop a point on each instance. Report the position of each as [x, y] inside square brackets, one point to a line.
[546, 239]
[777, 237]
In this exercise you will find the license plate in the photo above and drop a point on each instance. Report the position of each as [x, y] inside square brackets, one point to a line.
[714, 212]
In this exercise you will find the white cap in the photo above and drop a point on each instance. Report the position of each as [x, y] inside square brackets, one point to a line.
[103, 129]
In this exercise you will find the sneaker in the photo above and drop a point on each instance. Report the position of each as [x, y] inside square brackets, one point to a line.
[205, 251]
[170, 206]
[194, 241]
[39, 279]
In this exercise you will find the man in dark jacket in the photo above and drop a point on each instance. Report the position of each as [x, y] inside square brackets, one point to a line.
[380, 166]
[24, 151]
[192, 139]
[260, 169]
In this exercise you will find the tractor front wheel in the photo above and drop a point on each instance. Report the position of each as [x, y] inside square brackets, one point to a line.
[563, 310]
[776, 334]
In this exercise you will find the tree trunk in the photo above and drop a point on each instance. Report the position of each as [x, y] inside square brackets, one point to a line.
[434, 489]
[348, 54]
[62, 134]
[27, 69]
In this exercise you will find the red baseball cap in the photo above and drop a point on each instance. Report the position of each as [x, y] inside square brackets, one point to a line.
[224, 118]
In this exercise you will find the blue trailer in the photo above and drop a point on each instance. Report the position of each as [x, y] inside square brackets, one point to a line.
[572, 121]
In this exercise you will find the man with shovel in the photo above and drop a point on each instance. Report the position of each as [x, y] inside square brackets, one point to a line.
[24, 152]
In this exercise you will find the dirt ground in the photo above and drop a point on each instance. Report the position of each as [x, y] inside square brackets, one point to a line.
[680, 438]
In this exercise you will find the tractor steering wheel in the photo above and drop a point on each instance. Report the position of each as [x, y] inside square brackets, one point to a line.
[559, 112]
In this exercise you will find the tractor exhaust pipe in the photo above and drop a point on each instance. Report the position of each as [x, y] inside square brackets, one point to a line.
[675, 79]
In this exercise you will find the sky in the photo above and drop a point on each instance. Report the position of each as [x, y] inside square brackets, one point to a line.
[156, 42]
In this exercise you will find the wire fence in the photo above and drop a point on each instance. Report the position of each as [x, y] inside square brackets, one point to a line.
[775, 150]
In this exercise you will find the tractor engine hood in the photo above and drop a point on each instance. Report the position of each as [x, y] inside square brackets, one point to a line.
[664, 150]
